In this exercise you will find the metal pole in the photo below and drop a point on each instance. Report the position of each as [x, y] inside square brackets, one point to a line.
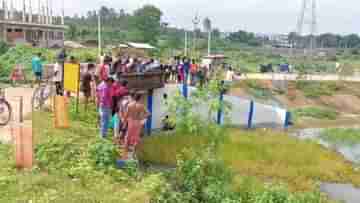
[21, 110]
[99, 33]
[209, 43]
[186, 44]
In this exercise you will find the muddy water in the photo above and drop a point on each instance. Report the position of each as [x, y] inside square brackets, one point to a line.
[351, 153]
[340, 192]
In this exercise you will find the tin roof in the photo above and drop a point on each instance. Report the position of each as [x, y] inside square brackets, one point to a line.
[140, 45]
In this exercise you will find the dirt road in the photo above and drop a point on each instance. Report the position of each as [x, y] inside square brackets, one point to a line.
[293, 77]
[13, 96]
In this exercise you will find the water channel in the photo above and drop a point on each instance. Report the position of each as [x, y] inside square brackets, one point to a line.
[340, 192]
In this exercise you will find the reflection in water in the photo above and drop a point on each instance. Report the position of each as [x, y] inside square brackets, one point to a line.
[351, 153]
[340, 192]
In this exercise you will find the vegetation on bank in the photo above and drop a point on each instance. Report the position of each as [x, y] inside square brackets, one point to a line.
[312, 89]
[339, 136]
[72, 165]
[268, 156]
[315, 112]
[22, 55]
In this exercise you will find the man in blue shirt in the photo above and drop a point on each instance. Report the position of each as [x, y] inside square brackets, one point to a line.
[186, 68]
[37, 67]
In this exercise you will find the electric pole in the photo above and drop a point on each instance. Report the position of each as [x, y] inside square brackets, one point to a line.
[308, 16]
[99, 32]
[186, 43]
[195, 22]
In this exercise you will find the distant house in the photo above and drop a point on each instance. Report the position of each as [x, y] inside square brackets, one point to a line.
[280, 41]
[133, 49]
[21, 27]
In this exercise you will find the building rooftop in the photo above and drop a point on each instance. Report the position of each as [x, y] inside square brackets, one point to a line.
[27, 24]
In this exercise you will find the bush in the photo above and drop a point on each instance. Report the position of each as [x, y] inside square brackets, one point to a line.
[347, 137]
[104, 153]
[313, 89]
[316, 112]
[21, 54]
[200, 178]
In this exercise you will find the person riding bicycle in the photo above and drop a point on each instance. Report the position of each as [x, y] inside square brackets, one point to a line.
[37, 67]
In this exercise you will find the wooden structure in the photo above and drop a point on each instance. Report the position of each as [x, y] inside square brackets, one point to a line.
[144, 81]
[216, 60]
[131, 49]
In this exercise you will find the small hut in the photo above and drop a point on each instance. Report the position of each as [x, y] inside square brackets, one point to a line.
[132, 49]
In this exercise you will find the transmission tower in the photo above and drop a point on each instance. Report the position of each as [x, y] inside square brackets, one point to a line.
[308, 17]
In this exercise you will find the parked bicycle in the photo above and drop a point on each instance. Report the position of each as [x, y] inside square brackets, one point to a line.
[43, 93]
[5, 109]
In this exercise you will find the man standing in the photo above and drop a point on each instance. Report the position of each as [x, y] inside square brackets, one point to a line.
[37, 67]
[104, 104]
[58, 74]
[61, 61]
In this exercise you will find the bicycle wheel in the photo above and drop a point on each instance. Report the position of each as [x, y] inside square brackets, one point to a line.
[5, 112]
[36, 100]
[41, 96]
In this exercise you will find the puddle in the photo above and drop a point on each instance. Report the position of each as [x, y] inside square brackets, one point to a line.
[351, 153]
[341, 192]
[346, 193]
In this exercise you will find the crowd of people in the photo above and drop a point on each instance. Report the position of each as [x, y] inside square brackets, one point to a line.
[118, 106]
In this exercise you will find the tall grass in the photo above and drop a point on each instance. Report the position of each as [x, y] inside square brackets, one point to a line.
[347, 137]
[315, 112]
[313, 89]
[266, 155]
[64, 170]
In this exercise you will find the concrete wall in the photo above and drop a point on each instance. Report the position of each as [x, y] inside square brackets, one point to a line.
[244, 113]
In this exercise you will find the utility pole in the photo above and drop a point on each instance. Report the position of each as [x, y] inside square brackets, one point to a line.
[196, 22]
[99, 32]
[24, 12]
[186, 43]
[308, 16]
[208, 29]
[30, 13]
[63, 13]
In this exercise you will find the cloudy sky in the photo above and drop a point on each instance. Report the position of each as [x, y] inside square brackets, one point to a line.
[265, 16]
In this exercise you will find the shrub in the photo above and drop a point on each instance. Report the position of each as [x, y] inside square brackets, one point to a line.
[347, 137]
[313, 89]
[104, 153]
[315, 112]
[198, 178]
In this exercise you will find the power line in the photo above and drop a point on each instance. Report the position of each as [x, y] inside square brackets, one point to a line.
[308, 17]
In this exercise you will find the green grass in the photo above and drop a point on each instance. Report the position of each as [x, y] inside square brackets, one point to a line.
[268, 156]
[65, 170]
[313, 89]
[347, 137]
[315, 112]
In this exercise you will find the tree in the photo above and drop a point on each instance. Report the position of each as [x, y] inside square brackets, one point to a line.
[352, 40]
[216, 33]
[146, 22]
[244, 37]
[328, 40]
[72, 32]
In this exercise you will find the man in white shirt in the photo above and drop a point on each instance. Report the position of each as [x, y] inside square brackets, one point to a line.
[229, 75]
[57, 79]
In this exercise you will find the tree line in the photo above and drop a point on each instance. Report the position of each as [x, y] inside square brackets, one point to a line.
[145, 25]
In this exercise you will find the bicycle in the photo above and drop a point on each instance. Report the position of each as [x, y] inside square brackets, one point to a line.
[45, 91]
[5, 109]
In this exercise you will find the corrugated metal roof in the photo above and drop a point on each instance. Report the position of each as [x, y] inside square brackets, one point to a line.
[140, 45]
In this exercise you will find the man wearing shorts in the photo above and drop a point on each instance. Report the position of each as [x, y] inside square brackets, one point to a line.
[37, 67]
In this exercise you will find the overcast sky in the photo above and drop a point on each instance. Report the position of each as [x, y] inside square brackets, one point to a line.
[263, 16]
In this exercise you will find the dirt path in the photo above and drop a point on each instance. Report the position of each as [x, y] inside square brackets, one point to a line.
[12, 95]
[294, 77]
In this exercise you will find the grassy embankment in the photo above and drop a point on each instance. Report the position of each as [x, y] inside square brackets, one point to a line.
[66, 170]
[347, 137]
[267, 156]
